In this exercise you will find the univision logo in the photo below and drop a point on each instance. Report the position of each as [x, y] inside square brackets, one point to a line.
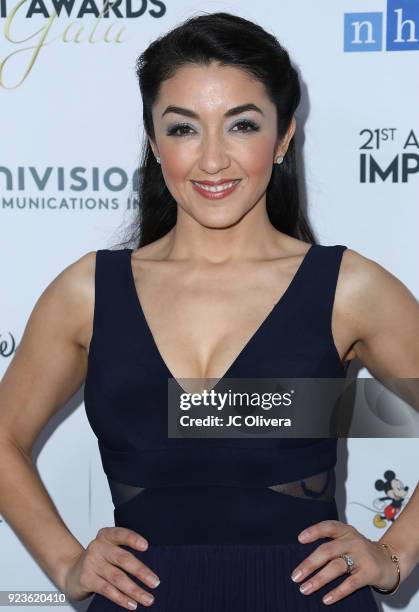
[399, 25]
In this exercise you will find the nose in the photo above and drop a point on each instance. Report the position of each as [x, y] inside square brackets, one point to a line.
[213, 155]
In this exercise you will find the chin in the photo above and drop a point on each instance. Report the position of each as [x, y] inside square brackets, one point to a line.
[220, 222]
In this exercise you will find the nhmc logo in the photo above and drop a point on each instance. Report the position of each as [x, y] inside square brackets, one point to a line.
[365, 31]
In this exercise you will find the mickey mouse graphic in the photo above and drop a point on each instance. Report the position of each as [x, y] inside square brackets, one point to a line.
[396, 492]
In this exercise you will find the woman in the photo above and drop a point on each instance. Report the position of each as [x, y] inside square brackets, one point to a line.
[227, 281]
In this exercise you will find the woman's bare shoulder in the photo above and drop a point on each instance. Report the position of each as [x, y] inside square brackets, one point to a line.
[366, 281]
[379, 313]
[72, 293]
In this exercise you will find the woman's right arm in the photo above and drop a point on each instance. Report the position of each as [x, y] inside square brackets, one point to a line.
[48, 367]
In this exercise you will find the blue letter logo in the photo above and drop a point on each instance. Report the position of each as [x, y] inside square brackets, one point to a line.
[402, 25]
[363, 32]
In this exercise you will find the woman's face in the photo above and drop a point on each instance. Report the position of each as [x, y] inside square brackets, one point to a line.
[206, 138]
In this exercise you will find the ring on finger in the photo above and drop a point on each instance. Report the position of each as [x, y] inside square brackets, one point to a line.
[349, 562]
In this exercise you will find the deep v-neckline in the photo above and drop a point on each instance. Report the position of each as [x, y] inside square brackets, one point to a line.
[246, 347]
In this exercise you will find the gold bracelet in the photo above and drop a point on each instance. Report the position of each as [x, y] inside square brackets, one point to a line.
[396, 560]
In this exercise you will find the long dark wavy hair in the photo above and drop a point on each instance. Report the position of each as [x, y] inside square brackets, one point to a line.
[231, 41]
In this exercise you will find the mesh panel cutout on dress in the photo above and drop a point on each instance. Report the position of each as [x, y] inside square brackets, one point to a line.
[122, 492]
[317, 487]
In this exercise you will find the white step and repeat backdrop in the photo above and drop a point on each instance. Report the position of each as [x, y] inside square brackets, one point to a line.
[70, 106]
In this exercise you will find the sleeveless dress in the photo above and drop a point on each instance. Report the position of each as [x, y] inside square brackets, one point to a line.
[221, 516]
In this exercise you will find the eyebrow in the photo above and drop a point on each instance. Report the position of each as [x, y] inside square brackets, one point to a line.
[230, 113]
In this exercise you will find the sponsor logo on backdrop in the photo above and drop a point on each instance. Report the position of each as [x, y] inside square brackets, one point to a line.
[387, 507]
[62, 188]
[396, 29]
[7, 345]
[29, 26]
[388, 154]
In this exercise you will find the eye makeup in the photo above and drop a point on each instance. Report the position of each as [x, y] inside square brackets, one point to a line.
[249, 126]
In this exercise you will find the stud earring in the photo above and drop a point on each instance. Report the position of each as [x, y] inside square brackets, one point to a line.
[279, 160]
[158, 159]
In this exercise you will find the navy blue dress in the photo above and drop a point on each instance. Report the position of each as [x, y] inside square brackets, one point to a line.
[221, 515]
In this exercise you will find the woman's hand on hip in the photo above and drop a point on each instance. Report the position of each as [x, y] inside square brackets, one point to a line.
[102, 566]
[372, 565]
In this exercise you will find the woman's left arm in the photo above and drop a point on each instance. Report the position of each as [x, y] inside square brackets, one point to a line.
[383, 316]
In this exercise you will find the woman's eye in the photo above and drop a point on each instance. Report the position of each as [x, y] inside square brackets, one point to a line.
[183, 129]
[247, 124]
[174, 130]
